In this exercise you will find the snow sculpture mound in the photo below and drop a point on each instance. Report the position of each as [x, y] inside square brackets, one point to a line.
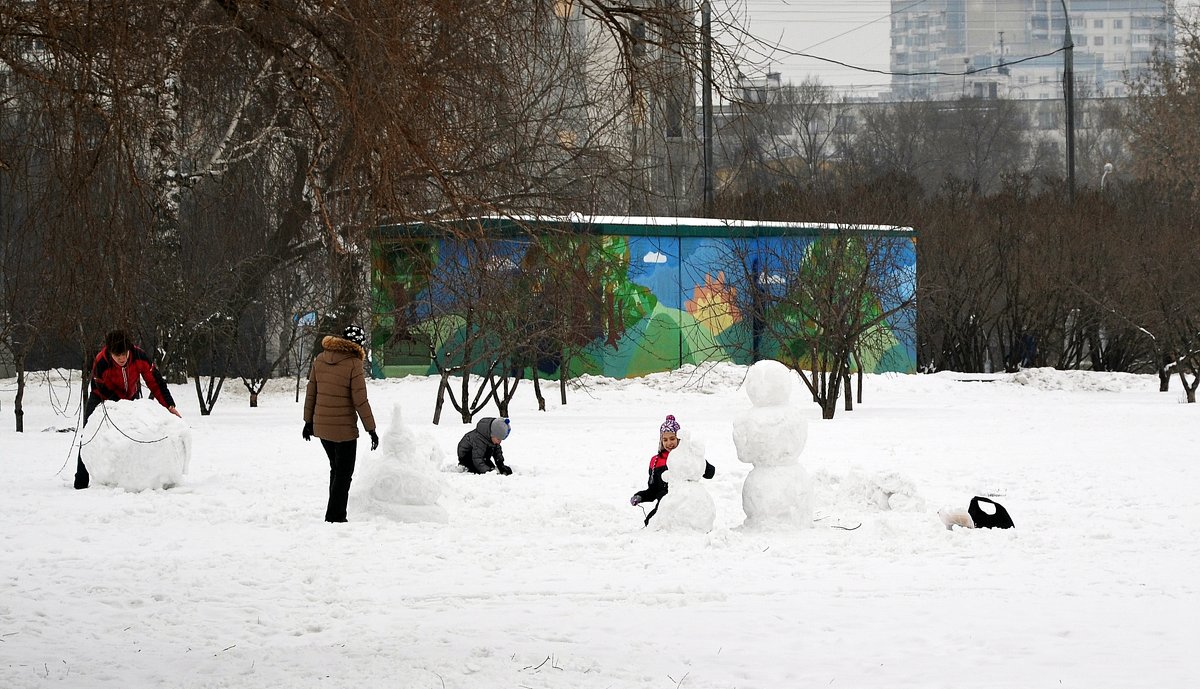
[404, 483]
[771, 435]
[687, 506]
[136, 445]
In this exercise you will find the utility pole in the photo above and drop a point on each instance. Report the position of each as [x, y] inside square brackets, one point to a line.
[706, 103]
[1069, 93]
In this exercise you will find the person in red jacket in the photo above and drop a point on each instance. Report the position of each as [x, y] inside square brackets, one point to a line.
[668, 439]
[117, 374]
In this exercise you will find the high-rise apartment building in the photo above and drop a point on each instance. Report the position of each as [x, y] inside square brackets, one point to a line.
[1011, 43]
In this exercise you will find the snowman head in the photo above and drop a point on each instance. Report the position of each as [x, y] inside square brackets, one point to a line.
[686, 462]
[769, 383]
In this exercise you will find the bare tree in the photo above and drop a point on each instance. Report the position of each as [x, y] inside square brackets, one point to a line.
[822, 305]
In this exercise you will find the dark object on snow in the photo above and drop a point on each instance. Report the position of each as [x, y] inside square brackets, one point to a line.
[983, 520]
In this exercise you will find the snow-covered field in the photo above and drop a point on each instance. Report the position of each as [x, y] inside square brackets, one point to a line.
[546, 579]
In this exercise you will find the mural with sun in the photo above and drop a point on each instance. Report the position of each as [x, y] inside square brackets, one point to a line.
[664, 301]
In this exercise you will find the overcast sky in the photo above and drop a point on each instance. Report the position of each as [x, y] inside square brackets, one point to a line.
[852, 31]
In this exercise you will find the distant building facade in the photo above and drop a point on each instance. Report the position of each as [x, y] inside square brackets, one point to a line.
[1112, 39]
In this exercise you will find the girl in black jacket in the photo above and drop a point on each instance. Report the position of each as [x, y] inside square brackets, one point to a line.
[656, 488]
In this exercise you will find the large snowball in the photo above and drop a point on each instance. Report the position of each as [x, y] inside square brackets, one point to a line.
[777, 496]
[402, 480]
[770, 436]
[769, 383]
[136, 445]
[687, 506]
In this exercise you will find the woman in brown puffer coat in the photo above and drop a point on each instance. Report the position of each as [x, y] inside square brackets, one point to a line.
[335, 401]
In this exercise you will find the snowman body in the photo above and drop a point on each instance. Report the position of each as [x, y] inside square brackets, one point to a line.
[687, 506]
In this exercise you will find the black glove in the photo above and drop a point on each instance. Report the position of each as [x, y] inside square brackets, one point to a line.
[374, 439]
[307, 432]
[504, 469]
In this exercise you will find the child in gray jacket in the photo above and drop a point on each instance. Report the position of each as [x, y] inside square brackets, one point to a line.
[480, 447]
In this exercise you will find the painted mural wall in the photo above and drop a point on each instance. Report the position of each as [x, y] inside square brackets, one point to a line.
[666, 299]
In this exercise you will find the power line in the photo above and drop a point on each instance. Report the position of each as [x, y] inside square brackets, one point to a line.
[973, 70]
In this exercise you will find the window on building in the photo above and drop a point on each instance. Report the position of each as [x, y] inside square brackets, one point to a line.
[674, 116]
[1118, 23]
[1141, 39]
[1077, 22]
[638, 31]
[1141, 23]
[1097, 40]
[1118, 40]
[1098, 24]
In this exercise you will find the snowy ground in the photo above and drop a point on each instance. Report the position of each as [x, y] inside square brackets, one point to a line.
[546, 578]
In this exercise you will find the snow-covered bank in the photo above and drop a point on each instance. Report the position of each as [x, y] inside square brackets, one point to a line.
[546, 579]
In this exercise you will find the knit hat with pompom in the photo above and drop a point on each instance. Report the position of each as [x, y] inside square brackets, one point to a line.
[669, 426]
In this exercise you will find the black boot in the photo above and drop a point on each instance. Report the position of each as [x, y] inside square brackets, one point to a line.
[82, 479]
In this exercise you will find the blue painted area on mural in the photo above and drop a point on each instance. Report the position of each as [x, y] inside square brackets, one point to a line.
[654, 263]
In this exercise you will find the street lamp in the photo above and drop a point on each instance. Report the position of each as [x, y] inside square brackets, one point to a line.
[1069, 94]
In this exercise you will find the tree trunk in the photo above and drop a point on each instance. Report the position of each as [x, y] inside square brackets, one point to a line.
[537, 391]
[18, 406]
[860, 382]
[441, 397]
[1189, 388]
[562, 382]
[846, 390]
[466, 395]
[829, 405]
[253, 399]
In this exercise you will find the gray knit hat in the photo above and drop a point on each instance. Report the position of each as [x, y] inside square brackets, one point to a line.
[500, 428]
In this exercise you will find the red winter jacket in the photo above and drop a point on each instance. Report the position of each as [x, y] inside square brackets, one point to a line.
[111, 382]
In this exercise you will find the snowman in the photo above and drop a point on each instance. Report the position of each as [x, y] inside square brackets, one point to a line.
[687, 506]
[405, 483]
[771, 436]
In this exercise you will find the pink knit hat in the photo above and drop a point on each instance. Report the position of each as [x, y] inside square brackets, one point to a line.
[669, 426]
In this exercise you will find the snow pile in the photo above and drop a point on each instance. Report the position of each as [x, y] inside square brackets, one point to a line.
[859, 490]
[771, 435]
[1080, 381]
[687, 506]
[136, 445]
[404, 481]
[710, 378]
